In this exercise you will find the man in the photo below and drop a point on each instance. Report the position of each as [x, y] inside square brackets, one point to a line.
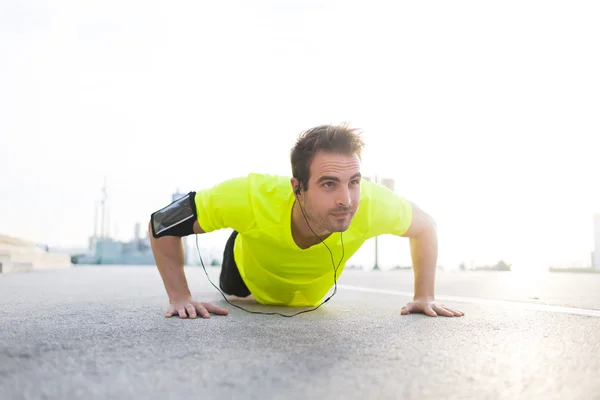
[288, 231]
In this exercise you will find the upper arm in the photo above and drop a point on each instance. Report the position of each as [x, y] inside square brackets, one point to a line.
[420, 222]
[197, 228]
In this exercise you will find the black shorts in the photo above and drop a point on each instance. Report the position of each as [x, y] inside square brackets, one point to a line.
[231, 281]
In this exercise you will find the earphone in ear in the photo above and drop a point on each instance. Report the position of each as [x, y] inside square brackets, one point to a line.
[297, 190]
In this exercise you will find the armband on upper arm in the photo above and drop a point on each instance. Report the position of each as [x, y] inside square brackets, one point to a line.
[176, 219]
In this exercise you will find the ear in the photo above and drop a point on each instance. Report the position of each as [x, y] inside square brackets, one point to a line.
[295, 186]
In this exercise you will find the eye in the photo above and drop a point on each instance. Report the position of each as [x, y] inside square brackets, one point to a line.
[328, 184]
[355, 182]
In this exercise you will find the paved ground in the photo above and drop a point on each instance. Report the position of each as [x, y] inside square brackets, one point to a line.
[94, 332]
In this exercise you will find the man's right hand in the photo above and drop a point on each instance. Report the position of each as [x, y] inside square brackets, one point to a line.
[169, 256]
[190, 308]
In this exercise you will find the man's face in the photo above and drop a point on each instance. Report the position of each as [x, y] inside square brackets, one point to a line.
[333, 193]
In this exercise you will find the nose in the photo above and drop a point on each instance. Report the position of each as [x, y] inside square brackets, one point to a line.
[343, 198]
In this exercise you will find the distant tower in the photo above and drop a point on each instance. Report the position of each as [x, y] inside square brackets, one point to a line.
[390, 184]
[136, 234]
[596, 260]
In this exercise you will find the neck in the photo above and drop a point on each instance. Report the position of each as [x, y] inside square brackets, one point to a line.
[301, 232]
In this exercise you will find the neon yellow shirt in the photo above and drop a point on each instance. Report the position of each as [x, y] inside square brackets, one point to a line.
[274, 268]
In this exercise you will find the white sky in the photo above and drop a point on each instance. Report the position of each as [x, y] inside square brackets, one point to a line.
[486, 114]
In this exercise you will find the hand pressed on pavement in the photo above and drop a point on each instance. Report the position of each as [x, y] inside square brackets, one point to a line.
[190, 308]
[431, 308]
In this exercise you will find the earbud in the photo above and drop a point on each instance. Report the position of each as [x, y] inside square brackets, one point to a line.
[297, 190]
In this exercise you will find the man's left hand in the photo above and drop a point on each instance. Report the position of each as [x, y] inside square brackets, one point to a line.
[431, 308]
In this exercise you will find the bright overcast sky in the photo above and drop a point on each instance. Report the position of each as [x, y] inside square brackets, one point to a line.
[485, 113]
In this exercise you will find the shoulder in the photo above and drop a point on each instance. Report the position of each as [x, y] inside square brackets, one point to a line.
[267, 181]
[269, 198]
[242, 202]
[253, 182]
[274, 187]
[371, 191]
[382, 210]
[251, 189]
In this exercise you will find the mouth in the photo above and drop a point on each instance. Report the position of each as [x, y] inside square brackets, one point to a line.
[341, 214]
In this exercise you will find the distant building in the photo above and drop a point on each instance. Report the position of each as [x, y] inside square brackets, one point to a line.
[20, 255]
[390, 184]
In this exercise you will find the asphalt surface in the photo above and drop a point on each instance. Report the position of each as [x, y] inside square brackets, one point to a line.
[99, 332]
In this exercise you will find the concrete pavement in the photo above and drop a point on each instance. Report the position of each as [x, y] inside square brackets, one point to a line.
[99, 332]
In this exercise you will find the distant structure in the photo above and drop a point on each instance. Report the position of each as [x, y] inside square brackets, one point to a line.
[596, 256]
[106, 250]
[390, 184]
[19, 255]
[499, 266]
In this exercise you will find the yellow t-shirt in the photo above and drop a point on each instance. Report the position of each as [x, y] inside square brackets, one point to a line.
[275, 269]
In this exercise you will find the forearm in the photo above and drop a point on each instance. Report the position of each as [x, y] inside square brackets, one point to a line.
[424, 253]
[169, 257]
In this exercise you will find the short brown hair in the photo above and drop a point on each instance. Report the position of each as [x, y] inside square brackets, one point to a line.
[327, 138]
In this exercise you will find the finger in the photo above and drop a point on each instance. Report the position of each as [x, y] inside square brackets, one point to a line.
[182, 313]
[191, 311]
[215, 309]
[456, 312]
[202, 311]
[409, 308]
[443, 311]
[429, 311]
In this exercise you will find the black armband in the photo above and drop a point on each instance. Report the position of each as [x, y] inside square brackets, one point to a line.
[176, 219]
